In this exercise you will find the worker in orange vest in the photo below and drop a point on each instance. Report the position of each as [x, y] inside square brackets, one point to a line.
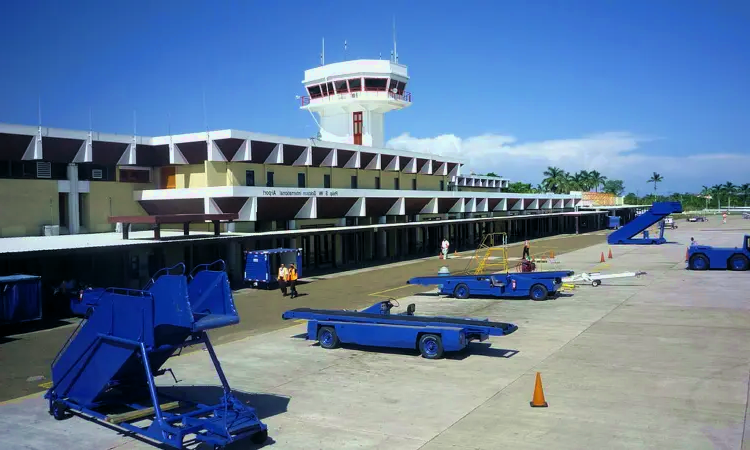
[292, 276]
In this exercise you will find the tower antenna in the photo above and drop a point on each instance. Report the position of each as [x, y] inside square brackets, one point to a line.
[395, 51]
[39, 111]
[323, 54]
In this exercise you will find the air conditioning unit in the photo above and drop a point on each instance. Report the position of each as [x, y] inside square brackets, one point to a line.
[52, 230]
[97, 174]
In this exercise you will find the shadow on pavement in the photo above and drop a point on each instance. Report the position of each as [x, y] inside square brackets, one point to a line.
[266, 405]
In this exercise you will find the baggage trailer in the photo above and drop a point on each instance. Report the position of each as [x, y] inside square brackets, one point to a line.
[20, 299]
[659, 211]
[704, 257]
[595, 278]
[535, 285]
[111, 359]
[376, 326]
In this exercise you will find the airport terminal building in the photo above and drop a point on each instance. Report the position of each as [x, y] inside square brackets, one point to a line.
[341, 197]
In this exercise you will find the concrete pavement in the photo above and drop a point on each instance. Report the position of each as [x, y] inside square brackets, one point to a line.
[661, 361]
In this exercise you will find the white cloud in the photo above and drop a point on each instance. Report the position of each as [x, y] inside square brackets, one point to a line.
[615, 154]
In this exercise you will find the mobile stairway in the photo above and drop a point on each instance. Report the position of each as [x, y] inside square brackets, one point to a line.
[626, 234]
[106, 369]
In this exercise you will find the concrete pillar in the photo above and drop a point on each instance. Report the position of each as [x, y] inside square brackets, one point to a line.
[381, 239]
[74, 224]
[292, 225]
[339, 248]
[234, 263]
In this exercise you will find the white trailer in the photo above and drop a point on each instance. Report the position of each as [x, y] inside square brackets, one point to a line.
[595, 278]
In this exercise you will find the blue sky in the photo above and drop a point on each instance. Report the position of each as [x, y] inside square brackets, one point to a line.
[624, 87]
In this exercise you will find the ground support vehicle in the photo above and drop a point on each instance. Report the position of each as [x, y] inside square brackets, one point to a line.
[534, 285]
[704, 257]
[376, 326]
[625, 235]
[595, 278]
[20, 299]
[106, 369]
[697, 219]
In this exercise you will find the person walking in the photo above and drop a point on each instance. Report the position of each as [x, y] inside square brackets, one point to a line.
[526, 250]
[293, 281]
[282, 277]
[444, 247]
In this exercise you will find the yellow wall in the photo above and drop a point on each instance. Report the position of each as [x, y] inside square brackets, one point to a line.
[216, 173]
[110, 199]
[190, 176]
[26, 206]
[286, 176]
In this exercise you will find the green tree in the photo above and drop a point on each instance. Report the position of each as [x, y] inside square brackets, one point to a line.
[744, 191]
[492, 174]
[555, 180]
[655, 178]
[616, 187]
[631, 199]
[520, 188]
[596, 180]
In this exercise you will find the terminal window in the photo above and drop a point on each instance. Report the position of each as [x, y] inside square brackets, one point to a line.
[377, 182]
[327, 181]
[396, 184]
[301, 180]
[269, 179]
[442, 185]
[354, 182]
[249, 178]
[414, 184]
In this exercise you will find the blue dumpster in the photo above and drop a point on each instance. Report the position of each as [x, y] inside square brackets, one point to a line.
[261, 266]
[20, 298]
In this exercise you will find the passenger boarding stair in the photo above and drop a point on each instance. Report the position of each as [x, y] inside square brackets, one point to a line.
[658, 211]
[102, 364]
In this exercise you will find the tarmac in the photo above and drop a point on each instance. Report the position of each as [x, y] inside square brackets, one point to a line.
[660, 361]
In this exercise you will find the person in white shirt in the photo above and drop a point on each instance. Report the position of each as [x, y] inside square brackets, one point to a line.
[282, 278]
[444, 248]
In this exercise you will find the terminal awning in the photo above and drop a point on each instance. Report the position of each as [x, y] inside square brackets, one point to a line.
[185, 219]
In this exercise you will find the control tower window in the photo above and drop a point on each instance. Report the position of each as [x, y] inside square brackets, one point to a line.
[355, 84]
[327, 89]
[341, 87]
[399, 86]
[376, 84]
[314, 91]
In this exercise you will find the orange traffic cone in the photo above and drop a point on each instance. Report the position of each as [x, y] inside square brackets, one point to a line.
[551, 253]
[686, 255]
[610, 254]
[538, 400]
[602, 258]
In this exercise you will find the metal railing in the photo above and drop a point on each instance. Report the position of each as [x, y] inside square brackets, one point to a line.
[367, 94]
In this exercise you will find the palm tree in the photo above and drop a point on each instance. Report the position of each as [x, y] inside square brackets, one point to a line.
[745, 192]
[655, 178]
[597, 179]
[554, 179]
[716, 191]
[730, 190]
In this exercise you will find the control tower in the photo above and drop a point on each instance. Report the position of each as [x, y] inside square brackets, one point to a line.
[352, 97]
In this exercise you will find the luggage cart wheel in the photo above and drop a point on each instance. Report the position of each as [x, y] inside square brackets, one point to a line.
[59, 410]
[431, 346]
[259, 437]
[596, 283]
[327, 337]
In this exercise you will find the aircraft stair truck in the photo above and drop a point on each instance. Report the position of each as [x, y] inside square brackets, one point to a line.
[111, 359]
[535, 285]
[659, 210]
[376, 326]
[704, 257]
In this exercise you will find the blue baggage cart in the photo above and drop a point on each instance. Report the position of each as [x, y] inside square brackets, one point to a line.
[20, 298]
[261, 266]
